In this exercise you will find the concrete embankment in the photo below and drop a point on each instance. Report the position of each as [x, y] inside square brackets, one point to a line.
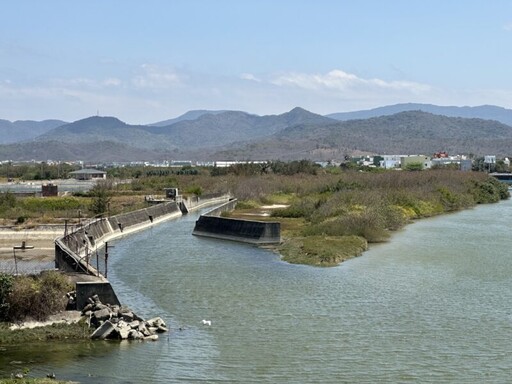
[212, 224]
[74, 250]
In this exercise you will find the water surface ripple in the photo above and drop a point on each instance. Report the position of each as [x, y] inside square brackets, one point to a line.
[432, 305]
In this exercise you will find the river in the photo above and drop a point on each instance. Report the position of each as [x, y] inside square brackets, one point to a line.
[431, 305]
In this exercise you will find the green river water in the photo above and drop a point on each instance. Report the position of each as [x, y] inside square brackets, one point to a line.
[432, 305]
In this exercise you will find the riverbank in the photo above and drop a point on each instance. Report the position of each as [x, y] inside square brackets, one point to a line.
[28, 380]
[324, 225]
[43, 331]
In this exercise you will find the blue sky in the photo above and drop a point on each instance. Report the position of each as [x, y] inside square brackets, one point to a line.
[149, 61]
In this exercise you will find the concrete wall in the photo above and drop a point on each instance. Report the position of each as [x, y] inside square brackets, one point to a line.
[212, 224]
[195, 203]
[227, 207]
[86, 289]
[247, 231]
[73, 248]
[71, 251]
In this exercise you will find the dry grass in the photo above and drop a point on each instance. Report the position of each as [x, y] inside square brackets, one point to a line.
[332, 217]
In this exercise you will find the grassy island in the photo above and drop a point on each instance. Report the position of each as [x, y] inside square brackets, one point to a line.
[328, 218]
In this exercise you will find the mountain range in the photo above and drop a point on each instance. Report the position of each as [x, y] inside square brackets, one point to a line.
[12, 132]
[486, 112]
[235, 135]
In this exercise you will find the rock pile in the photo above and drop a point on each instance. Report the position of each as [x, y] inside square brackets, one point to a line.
[119, 322]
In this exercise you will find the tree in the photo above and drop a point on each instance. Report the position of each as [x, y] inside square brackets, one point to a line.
[101, 194]
[416, 166]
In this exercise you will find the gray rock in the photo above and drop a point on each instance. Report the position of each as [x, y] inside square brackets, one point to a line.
[156, 322]
[88, 313]
[144, 330]
[124, 309]
[88, 307]
[126, 316]
[115, 310]
[102, 314]
[135, 335]
[123, 329]
[132, 334]
[104, 331]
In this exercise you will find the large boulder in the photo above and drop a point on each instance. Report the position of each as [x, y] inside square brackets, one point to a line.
[114, 322]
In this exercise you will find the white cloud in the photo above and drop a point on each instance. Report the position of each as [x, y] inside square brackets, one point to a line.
[156, 93]
[249, 76]
[339, 80]
[155, 77]
[84, 83]
[112, 82]
[508, 27]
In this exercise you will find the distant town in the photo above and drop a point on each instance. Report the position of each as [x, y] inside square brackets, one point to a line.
[488, 163]
[50, 178]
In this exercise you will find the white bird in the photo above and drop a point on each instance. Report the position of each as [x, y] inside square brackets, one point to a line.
[207, 322]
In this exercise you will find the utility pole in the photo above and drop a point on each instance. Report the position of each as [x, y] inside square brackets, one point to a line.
[106, 257]
[97, 261]
[23, 246]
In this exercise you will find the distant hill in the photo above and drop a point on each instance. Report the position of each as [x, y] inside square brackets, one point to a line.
[190, 115]
[227, 127]
[97, 129]
[412, 132]
[12, 132]
[206, 131]
[487, 112]
[297, 134]
[103, 151]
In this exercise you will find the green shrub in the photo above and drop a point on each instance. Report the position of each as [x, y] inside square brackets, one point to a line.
[7, 201]
[37, 296]
[304, 207]
[489, 191]
[21, 219]
[36, 204]
[246, 204]
[195, 189]
[291, 212]
[322, 251]
[367, 224]
[6, 282]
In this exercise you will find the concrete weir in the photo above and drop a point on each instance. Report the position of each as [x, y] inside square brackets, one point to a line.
[256, 232]
[73, 251]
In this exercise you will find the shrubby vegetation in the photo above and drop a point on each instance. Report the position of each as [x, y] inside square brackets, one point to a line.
[336, 203]
[39, 171]
[32, 296]
[327, 209]
[47, 210]
[275, 167]
[101, 195]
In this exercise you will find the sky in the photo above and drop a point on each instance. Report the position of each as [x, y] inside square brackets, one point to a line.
[148, 61]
